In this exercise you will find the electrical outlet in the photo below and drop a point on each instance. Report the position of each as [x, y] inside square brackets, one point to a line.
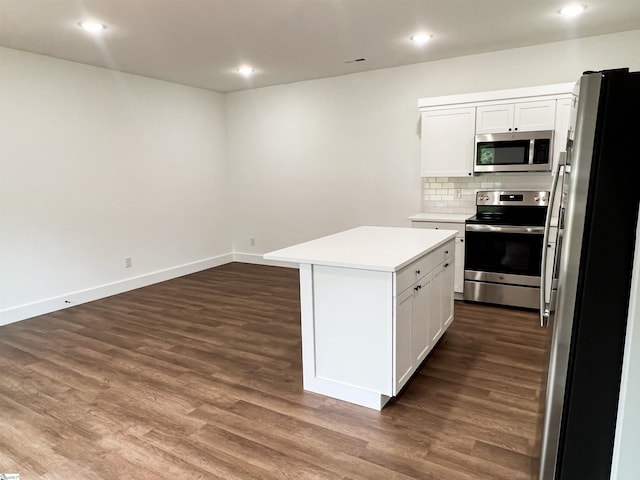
[458, 193]
[252, 241]
[127, 262]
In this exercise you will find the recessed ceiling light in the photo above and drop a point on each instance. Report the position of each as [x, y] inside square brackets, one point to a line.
[92, 26]
[572, 10]
[246, 70]
[421, 38]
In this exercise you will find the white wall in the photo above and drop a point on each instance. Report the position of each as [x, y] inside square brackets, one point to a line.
[311, 158]
[96, 166]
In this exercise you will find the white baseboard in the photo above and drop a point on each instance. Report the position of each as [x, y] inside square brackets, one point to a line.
[23, 312]
[258, 260]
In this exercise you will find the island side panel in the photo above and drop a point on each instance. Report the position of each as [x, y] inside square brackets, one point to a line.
[306, 326]
[353, 327]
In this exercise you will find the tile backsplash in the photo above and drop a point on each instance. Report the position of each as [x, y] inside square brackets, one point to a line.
[458, 194]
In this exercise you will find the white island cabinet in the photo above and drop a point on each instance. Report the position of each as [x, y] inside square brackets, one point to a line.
[374, 302]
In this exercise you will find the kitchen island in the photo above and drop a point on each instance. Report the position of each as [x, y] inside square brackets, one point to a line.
[374, 302]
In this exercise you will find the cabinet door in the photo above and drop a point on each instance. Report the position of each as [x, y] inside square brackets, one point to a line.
[448, 142]
[458, 276]
[494, 118]
[532, 116]
[421, 320]
[403, 354]
[447, 292]
[516, 117]
[437, 299]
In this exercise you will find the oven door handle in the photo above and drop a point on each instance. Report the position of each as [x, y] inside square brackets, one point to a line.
[529, 230]
[545, 308]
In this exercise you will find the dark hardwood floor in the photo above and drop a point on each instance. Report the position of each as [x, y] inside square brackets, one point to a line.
[200, 378]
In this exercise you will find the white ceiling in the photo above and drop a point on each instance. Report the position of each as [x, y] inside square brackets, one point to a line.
[201, 42]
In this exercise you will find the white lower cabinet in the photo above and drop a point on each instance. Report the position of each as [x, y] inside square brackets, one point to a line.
[424, 311]
[422, 299]
[404, 327]
[437, 304]
[458, 269]
[442, 300]
[447, 293]
[413, 329]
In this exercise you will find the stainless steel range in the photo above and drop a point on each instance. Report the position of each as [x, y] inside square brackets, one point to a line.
[503, 248]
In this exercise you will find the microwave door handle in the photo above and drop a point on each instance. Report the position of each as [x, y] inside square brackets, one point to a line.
[545, 308]
[532, 148]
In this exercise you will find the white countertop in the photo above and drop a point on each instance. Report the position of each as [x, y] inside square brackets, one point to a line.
[441, 217]
[369, 248]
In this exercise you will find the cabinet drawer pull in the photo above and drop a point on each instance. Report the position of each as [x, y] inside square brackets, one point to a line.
[446, 265]
[417, 272]
[417, 288]
[446, 252]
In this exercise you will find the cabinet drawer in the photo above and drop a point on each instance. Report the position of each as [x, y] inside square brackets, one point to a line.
[459, 227]
[415, 271]
[443, 253]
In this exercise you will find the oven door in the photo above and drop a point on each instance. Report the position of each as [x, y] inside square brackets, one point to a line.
[507, 250]
[502, 264]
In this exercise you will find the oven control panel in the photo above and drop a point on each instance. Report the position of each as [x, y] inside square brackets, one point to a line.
[520, 198]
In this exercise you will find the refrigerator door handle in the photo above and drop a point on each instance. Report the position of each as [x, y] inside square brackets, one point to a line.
[545, 308]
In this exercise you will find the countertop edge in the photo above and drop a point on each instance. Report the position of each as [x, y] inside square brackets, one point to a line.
[440, 217]
[452, 235]
[362, 266]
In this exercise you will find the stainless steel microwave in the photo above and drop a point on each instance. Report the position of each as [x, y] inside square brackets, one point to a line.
[514, 152]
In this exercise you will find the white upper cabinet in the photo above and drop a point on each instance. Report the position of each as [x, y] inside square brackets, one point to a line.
[448, 142]
[533, 116]
[516, 117]
[450, 123]
[494, 118]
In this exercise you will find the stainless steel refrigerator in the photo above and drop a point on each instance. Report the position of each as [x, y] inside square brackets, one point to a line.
[599, 195]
